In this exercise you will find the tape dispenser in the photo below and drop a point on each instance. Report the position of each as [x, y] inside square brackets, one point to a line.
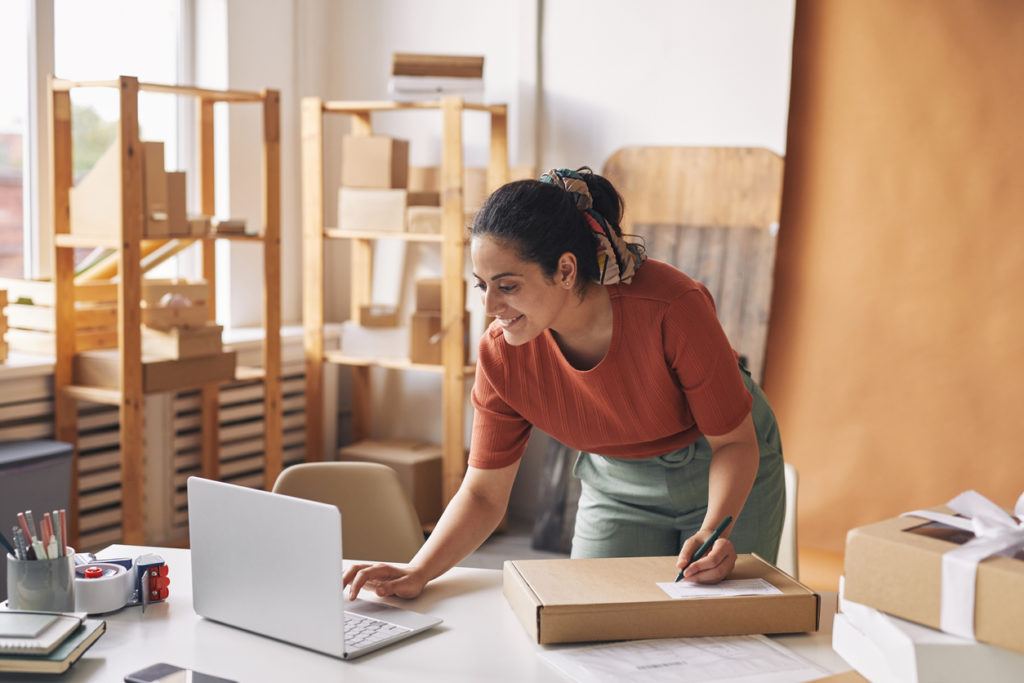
[110, 584]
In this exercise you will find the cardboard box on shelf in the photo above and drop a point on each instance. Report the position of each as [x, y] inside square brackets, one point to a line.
[428, 295]
[374, 161]
[418, 465]
[361, 341]
[423, 198]
[586, 600]
[908, 584]
[182, 342]
[362, 209]
[166, 317]
[102, 368]
[425, 337]
[378, 315]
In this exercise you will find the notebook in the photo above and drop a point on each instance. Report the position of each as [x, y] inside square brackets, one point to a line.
[60, 658]
[34, 633]
[271, 564]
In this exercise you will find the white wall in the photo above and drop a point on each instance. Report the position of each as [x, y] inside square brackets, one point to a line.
[582, 79]
[649, 72]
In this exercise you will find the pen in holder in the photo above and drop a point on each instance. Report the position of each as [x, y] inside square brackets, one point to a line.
[42, 585]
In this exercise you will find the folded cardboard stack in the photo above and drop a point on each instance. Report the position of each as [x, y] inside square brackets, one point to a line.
[617, 598]
[960, 575]
[425, 76]
[95, 200]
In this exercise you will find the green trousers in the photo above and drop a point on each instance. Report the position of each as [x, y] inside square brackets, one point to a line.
[637, 508]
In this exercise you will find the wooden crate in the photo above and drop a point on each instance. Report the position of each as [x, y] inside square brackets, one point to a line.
[101, 368]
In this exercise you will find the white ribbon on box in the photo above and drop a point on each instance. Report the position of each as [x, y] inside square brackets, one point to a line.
[995, 533]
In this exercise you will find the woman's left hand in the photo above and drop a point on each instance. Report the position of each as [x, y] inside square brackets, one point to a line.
[716, 564]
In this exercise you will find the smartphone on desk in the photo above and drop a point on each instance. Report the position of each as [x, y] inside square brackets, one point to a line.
[168, 673]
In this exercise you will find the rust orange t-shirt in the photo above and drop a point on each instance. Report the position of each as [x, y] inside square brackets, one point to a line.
[669, 376]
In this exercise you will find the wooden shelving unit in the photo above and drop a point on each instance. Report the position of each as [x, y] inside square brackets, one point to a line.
[130, 254]
[453, 253]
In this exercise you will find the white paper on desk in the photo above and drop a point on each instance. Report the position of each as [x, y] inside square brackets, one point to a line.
[689, 589]
[729, 659]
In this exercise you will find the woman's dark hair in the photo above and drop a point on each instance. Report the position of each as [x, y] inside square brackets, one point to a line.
[542, 222]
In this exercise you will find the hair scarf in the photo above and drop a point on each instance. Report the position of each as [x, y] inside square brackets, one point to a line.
[617, 260]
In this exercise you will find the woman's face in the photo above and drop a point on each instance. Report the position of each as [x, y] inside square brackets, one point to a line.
[516, 292]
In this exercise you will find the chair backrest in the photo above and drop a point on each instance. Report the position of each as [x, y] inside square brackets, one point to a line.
[712, 212]
[378, 521]
[787, 559]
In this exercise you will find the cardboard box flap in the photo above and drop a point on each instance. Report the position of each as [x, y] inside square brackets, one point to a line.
[629, 580]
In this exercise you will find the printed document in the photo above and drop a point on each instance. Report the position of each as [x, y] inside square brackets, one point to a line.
[727, 659]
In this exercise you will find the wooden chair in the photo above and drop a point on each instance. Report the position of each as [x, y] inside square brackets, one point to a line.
[713, 212]
[378, 521]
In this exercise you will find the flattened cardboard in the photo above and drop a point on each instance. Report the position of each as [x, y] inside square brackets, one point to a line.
[177, 214]
[898, 572]
[102, 369]
[587, 600]
[418, 465]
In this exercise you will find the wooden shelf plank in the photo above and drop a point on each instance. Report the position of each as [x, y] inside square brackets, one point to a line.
[362, 107]
[335, 233]
[64, 84]
[86, 241]
[94, 394]
[338, 358]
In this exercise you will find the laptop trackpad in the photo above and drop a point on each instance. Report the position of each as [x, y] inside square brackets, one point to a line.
[395, 615]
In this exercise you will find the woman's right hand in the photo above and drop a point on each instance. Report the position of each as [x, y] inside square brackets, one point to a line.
[384, 580]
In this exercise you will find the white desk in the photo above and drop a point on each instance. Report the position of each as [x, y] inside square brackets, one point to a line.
[480, 639]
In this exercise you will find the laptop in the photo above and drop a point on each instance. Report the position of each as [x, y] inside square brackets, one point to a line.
[271, 564]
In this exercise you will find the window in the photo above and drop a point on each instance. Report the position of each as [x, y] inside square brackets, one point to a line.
[13, 136]
[104, 39]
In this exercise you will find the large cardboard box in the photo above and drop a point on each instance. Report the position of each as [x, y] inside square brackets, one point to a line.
[564, 601]
[896, 566]
[418, 465]
[374, 161]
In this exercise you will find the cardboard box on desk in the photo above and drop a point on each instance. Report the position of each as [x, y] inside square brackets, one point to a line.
[616, 598]
[896, 566]
[418, 465]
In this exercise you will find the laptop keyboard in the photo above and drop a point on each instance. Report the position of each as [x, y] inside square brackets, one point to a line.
[362, 631]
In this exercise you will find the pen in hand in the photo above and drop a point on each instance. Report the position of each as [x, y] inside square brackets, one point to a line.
[706, 545]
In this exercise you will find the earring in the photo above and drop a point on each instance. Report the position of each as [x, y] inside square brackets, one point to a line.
[566, 282]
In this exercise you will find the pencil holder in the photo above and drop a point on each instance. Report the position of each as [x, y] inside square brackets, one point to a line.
[42, 585]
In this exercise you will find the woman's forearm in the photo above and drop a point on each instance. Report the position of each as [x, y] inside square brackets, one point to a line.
[733, 470]
[473, 513]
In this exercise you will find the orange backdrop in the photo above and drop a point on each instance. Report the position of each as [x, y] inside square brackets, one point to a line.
[896, 350]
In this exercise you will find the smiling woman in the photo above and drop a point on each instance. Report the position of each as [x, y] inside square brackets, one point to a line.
[621, 358]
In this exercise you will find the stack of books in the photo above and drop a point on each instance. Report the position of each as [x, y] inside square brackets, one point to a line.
[45, 642]
[418, 76]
